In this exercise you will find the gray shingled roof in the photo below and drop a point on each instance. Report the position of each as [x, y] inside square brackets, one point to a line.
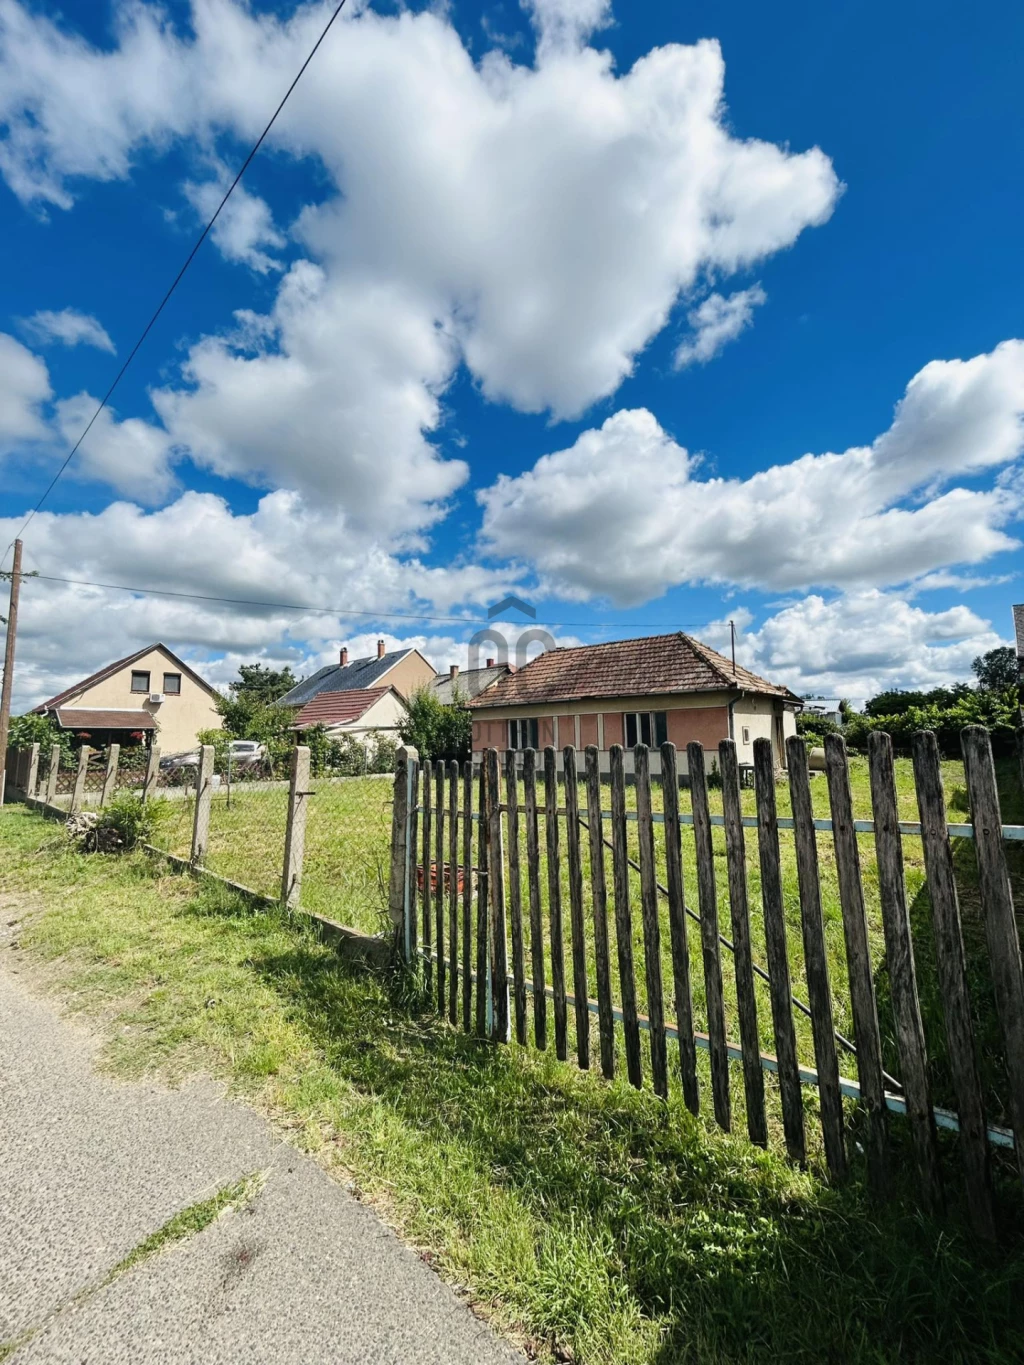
[469, 683]
[355, 676]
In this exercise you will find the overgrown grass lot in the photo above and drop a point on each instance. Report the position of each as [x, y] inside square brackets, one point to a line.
[591, 1221]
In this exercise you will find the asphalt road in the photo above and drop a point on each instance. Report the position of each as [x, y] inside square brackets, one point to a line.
[90, 1167]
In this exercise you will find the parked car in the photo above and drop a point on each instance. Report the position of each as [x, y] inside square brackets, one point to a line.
[245, 754]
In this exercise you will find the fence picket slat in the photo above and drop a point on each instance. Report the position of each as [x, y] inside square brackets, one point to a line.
[467, 896]
[956, 1004]
[708, 902]
[439, 888]
[679, 942]
[427, 774]
[599, 899]
[777, 949]
[483, 995]
[858, 963]
[576, 919]
[397, 881]
[453, 892]
[899, 950]
[623, 924]
[819, 991]
[649, 919]
[555, 902]
[515, 894]
[998, 914]
[496, 927]
[739, 910]
[540, 998]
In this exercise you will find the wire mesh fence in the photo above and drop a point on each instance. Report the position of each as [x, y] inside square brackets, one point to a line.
[347, 850]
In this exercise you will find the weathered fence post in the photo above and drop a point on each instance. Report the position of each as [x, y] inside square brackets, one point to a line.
[51, 777]
[453, 892]
[110, 776]
[576, 920]
[899, 952]
[774, 910]
[743, 963]
[439, 892]
[32, 780]
[498, 959]
[467, 896]
[540, 998]
[295, 827]
[398, 897]
[649, 919]
[599, 898]
[956, 1004]
[204, 792]
[623, 919]
[78, 795]
[426, 898]
[858, 962]
[483, 995]
[998, 914]
[707, 898]
[555, 902]
[819, 992]
[152, 773]
[515, 896]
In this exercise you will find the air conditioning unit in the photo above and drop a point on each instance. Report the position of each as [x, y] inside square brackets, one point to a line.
[156, 698]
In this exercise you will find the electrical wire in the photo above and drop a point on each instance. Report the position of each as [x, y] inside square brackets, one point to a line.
[379, 614]
[177, 279]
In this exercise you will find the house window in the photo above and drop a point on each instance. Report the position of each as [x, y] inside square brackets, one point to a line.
[523, 734]
[646, 727]
[172, 683]
[746, 734]
[140, 680]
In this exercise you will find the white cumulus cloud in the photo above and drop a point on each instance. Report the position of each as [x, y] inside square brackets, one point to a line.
[717, 321]
[24, 387]
[624, 513]
[69, 327]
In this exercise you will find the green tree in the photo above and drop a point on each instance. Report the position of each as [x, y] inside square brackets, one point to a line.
[262, 683]
[41, 730]
[996, 670]
[437, 730]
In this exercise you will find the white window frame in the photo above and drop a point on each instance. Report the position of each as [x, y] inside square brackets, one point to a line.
[745, 732]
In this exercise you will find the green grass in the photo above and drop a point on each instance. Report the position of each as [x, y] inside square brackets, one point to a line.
[574, 1211]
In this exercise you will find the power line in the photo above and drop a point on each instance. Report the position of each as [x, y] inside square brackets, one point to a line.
[381, 614]
[177, 279]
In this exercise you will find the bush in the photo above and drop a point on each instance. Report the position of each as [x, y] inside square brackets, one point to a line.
[815, 728]
[437, 730]
[125, 822]
[999, 712]
[42, 730]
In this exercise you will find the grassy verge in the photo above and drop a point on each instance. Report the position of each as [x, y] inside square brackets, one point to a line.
[575, 1212]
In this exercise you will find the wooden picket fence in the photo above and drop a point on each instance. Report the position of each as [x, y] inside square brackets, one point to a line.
[468, 890]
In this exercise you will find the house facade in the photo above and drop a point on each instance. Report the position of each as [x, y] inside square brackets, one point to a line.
[359, 712]
[657, 688]
[405, 670]
[152, 695]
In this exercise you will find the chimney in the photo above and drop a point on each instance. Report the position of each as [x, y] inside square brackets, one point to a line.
[490, 663]
[343, 656]
[453, 671]
[380, 649]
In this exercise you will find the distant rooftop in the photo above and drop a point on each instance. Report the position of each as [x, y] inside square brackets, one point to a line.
[356, 676]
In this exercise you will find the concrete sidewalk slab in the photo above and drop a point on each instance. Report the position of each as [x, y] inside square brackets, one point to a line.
[90, 1167]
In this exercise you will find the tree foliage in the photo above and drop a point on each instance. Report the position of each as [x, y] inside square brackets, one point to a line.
[437, 729]
[262, 683]
[998, 711]
[996, 670]
[42, 730]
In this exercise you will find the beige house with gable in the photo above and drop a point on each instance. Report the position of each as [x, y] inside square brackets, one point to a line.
[151, 696]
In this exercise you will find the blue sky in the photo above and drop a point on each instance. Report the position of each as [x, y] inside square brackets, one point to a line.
[717, 325]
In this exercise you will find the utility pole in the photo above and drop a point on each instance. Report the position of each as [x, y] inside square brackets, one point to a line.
[732, 636]
[5, 694]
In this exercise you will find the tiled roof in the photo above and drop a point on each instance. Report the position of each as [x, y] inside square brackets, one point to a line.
[70, 718]
[354, 677]
[116, 667]
[1018, 626]
[339, 708]
[651, 666]
[467, 684]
